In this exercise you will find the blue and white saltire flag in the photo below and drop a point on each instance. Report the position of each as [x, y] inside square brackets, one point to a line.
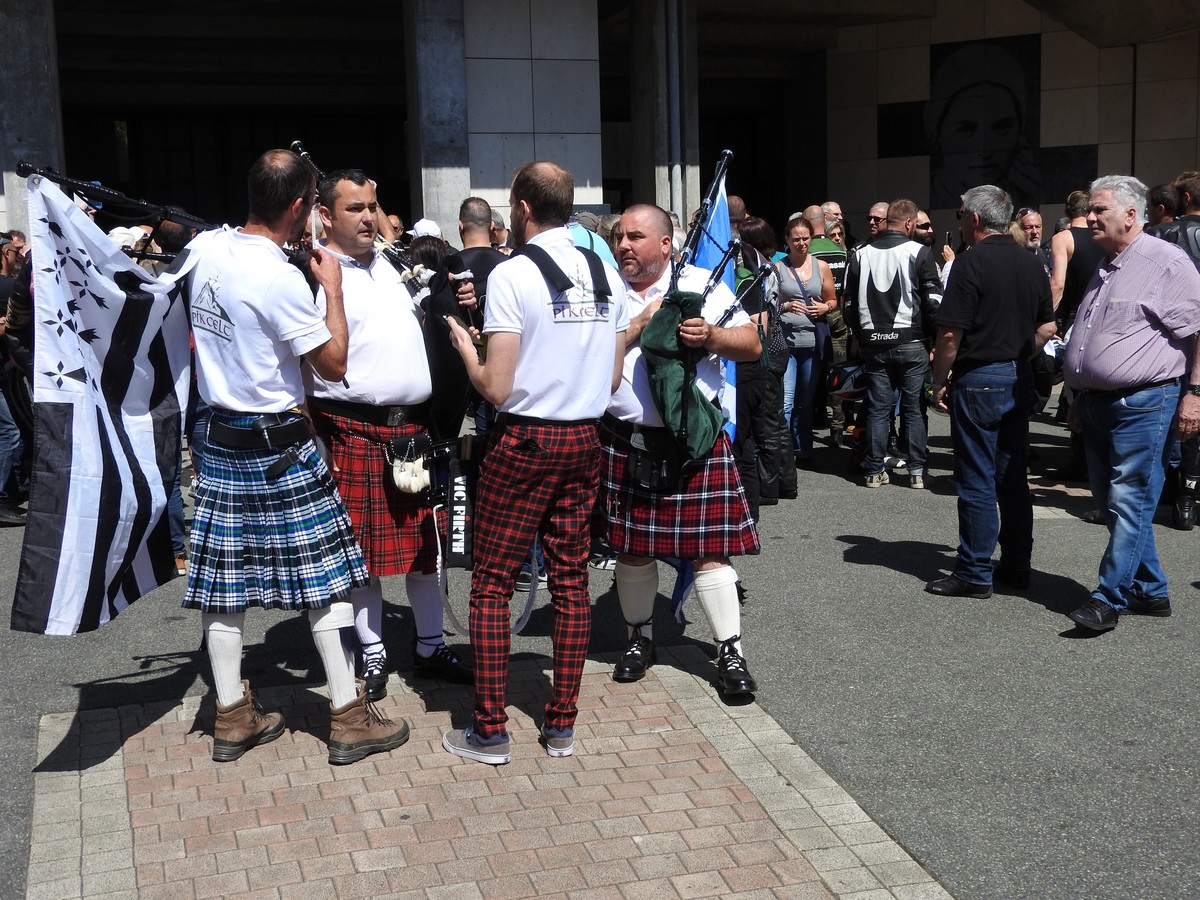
[714, 241]
[110, 384]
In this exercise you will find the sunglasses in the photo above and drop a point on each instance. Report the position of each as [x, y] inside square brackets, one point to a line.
[926, 227]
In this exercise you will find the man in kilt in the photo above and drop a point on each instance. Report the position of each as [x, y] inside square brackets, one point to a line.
[376, 412]
[555, 323]
[703, 517]
[270, 529]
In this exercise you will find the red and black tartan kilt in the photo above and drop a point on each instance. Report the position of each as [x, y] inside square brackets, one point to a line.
[395, 530]
[707, 516]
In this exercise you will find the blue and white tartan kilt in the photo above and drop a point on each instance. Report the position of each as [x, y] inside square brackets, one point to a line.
[284, 543]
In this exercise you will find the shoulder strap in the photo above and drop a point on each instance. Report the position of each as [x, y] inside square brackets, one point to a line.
[556, 279]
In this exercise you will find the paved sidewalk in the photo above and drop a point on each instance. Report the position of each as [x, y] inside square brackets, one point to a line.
[670, 793]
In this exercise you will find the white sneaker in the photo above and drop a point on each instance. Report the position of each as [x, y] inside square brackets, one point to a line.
[877, 480]
[916, 481]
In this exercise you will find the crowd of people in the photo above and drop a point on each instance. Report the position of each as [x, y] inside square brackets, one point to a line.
[595, 362]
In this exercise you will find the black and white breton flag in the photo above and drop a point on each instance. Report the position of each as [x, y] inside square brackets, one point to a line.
[110, 384]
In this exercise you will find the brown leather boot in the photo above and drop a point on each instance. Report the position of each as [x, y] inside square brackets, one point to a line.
[358, 729]
[243, 725]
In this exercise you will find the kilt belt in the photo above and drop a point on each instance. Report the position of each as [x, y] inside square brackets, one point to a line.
[417, 414]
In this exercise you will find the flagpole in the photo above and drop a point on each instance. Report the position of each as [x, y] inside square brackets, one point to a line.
[710, 197]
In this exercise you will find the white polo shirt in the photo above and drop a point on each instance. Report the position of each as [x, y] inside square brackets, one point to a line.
[565, 364]
[253, 317]
[386, 364]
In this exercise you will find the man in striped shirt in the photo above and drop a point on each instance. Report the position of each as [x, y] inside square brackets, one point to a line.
[1132, 343]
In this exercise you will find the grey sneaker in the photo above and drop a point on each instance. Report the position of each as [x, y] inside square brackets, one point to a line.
[558, 743]
[879, 479]
[462, 742]
[916, 481]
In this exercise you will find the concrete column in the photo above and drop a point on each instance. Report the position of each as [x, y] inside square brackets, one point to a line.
[533, 92]
[665, 108]
[438, 154]
[30, 109]
[494, 84]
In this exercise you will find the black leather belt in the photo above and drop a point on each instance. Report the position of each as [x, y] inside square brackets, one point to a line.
[370, 413]
[511, 419]
[262, 436]
[1117, 393]
[628, 429]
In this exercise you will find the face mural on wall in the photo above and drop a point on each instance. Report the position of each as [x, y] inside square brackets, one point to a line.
[982, 118]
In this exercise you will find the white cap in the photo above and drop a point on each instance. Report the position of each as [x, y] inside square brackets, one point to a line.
[426, 228]
[127, 238]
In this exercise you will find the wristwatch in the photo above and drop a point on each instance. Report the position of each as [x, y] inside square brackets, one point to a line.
[1194, 389]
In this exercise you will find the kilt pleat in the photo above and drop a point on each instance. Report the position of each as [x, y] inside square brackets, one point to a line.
[707, 516]
[395, 530]
[283, 543]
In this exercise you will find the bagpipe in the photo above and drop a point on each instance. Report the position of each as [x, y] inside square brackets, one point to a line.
[694, 422]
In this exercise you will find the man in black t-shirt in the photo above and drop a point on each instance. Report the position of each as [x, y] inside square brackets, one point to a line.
[995, 315]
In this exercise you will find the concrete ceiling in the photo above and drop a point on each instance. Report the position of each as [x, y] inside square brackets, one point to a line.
[1118, 23]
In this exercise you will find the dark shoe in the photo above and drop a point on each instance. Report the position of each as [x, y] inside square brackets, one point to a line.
[733, 678]
[358, 729]
[1094, 517]
[11, 515]
[243, 725]
[525, 579]
[807, 463]
[639, 656]
[953, 586]
[1069, 473]
[1159, 607]
[1183, 515]
[1011, 576]
[788, 495]
[375, 677]
[443, 664]
[1096, 615]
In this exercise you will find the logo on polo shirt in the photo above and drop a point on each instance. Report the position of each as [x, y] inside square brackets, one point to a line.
[208, 314]
[580, 304]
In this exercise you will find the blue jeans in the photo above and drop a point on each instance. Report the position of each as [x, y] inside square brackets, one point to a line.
[1125, 439]
[799, 388]
[989, 424]
[896, 368]
[11, 447]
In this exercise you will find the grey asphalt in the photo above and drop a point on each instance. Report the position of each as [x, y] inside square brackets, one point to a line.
[1012, 755]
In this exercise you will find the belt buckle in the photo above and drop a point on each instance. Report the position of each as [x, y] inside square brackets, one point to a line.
[397, 415]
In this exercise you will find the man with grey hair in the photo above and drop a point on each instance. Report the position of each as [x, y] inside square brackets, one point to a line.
[1134, 341]
[996, 315]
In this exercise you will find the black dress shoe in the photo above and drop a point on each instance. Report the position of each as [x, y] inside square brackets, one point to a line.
[375, 683]
[639, 656]
[1183, 515]
[1096, 615]
[733, 678]
[953, 586]
[1094, 517]
[1011, 576]
[11, 515]
[443, 664]
[1149, 606]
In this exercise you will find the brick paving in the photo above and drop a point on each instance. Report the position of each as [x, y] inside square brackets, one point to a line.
[670, 794]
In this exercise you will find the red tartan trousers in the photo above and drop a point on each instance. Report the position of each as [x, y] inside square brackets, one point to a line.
[533, 478]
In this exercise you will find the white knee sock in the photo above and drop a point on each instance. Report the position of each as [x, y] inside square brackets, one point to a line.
[717, 591]
[223, 635]
[368, 618]
[637, 586]
[326, 627]
[425, 598]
